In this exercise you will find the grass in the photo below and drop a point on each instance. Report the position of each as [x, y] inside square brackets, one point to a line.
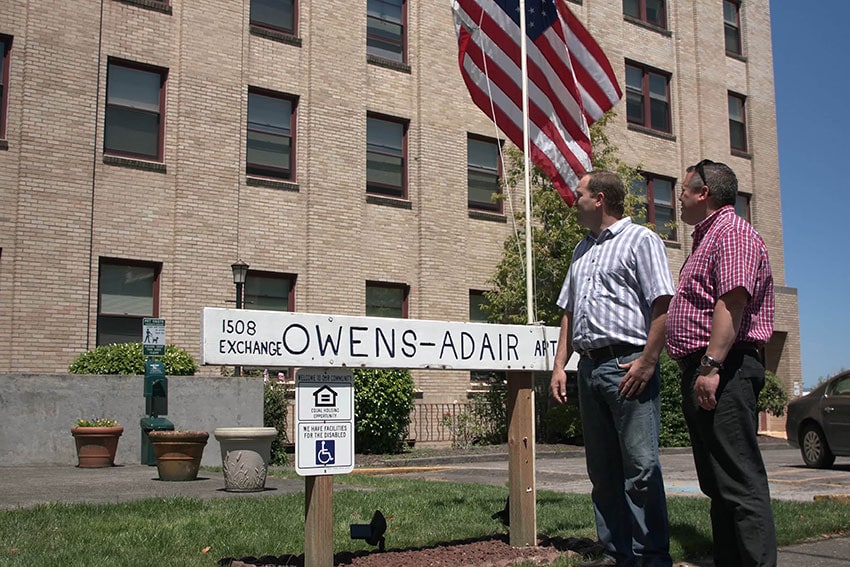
[190, 532]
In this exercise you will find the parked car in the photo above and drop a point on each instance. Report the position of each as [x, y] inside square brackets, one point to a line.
[819, 422]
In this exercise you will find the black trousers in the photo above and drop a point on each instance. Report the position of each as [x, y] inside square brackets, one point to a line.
[729, 464]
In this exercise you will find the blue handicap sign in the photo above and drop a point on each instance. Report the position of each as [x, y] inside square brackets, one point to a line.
[325, 453]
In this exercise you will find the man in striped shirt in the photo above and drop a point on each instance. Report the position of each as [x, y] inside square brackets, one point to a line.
[720, 318]
[615, 299]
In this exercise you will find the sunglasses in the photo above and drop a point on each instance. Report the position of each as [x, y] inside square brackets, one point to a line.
[701, 171]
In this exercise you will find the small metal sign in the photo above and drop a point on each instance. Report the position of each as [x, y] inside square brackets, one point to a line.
[324, 425]
[153, 337]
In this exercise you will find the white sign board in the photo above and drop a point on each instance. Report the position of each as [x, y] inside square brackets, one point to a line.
[324, 424]
[280, 338]
[153, 337]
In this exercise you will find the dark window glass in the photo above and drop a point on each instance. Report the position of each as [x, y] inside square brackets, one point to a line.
[732, 26]
[133, 111]
[269, 151]
[648, 98]
[127, 294]
[4, 80]
[269, 292]
[742, 206]
[385, 29]
[274, 14]
[483, 172]
[385, 152]
[737, 123]
[657, 206]
[649, 11]
[386, 300]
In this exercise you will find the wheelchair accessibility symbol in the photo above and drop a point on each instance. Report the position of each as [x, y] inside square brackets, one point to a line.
[325, 454]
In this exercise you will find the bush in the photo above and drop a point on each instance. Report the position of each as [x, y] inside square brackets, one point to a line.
[674, 430]
[127, 358]
[275, 405]
[773, 398]
[383, 400]
[562, 424]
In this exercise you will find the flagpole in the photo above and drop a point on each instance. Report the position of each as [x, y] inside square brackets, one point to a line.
[529, 262]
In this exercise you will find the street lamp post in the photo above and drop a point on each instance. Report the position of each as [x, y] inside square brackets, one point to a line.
[240, 272]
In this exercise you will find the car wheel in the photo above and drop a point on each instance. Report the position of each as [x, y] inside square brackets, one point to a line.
[813, 447]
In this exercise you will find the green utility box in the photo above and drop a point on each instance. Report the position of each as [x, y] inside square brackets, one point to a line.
[152, 424]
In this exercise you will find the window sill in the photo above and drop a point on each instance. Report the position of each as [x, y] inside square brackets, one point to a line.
[275, 35]
[389, 201]
[651, 132]
[272, 184]
[646, 25]
[155, 5]
[387, 64]
[741, 154]
[4, 144]
[487, 216]
[154, 166]
[672, 244]
[737, 56]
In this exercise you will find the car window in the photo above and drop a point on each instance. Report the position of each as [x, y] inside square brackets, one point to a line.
[841, 387]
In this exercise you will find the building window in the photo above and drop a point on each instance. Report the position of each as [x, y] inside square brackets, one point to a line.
[385, 29]
[732, 26]
[737, 122]
[742, 206]
[386, 300]
[5, 49]
[648, 97]
[127, 293]
[271, 141]
[657, 205]
[386, 152]
[267, 291]
[135, 97]
[276, 15]
[483, 172]
[649, 11]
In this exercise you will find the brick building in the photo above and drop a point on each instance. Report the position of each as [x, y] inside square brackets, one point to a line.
[145, 145]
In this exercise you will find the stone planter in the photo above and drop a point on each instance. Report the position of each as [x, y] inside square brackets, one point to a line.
[178, 453]
[245, 455]
[96, 446]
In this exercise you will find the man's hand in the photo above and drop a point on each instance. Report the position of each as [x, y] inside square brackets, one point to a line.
[705, 389]
[558, 385]
[639, 373]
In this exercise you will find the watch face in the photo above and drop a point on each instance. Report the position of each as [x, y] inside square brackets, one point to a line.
[708, 361]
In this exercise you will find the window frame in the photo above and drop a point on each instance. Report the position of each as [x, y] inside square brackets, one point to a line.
[291, 279]
[736, 26]
[264, 172]
[402, 41]
[743, 123]
[388, 285]
[277, 29]
[497, 205]
[163, 79]
[650, 210]
[123, 262]
[646, 97]
[5, 58]
[389, 191]
[643, 18]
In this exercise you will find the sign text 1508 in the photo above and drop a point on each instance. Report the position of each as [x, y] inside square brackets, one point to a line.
[238, 327]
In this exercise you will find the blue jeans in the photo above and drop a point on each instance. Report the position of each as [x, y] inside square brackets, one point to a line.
[621, 446]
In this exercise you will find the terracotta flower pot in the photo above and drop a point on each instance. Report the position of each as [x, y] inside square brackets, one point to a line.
[245, 455]
[96, 446]
[178, 453]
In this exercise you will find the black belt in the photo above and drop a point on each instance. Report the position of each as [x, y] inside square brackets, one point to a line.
[693, 359]
[610, 351]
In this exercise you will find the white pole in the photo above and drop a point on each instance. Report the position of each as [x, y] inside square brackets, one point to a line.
[529, 264]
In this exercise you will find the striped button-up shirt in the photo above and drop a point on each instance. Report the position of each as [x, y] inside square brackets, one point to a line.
[727, 253]
[611, 285]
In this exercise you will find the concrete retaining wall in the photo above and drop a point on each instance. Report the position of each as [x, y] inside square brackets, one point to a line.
[37, 412]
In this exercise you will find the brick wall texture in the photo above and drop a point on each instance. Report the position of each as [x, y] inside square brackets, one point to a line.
[63, 206]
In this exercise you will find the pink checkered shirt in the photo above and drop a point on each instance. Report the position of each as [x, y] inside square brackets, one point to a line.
[727, 253]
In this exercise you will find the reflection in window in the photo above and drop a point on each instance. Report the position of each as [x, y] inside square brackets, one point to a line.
[5, 48]
[732, 26]
[127, 293]
[386, 300]
[649, 11]
[133, 125]
[737, 123]
[657, 205]
[385, 29]
[483, 172]
[269, 292]
[385, 157]
[276, 15]
[742, 206]
[647, 98]
[270, 139]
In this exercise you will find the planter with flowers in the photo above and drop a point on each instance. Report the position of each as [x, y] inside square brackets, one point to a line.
[97, 442]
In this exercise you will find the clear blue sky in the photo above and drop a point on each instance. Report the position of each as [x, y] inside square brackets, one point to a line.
[810, 49]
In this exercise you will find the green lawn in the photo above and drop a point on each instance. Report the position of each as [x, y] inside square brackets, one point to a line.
[189, 532]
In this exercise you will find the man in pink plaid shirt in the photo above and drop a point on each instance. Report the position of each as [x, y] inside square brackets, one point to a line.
[718, 322]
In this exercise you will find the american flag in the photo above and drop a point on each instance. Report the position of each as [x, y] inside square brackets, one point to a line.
[570, 81]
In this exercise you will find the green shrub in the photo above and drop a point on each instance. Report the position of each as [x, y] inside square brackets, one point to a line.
[97, 422]
[491, 411]
[773, 398]
[383, 400]
[674, 430]
[127, 358]
[275, 405]
[562, 424]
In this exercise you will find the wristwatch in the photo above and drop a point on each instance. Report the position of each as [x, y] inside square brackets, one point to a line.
[708, 362]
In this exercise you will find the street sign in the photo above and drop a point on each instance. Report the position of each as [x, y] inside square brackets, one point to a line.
[324, 424]
[153, 337]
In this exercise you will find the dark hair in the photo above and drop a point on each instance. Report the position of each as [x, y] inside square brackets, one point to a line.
[611, 187]
[721, 181]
